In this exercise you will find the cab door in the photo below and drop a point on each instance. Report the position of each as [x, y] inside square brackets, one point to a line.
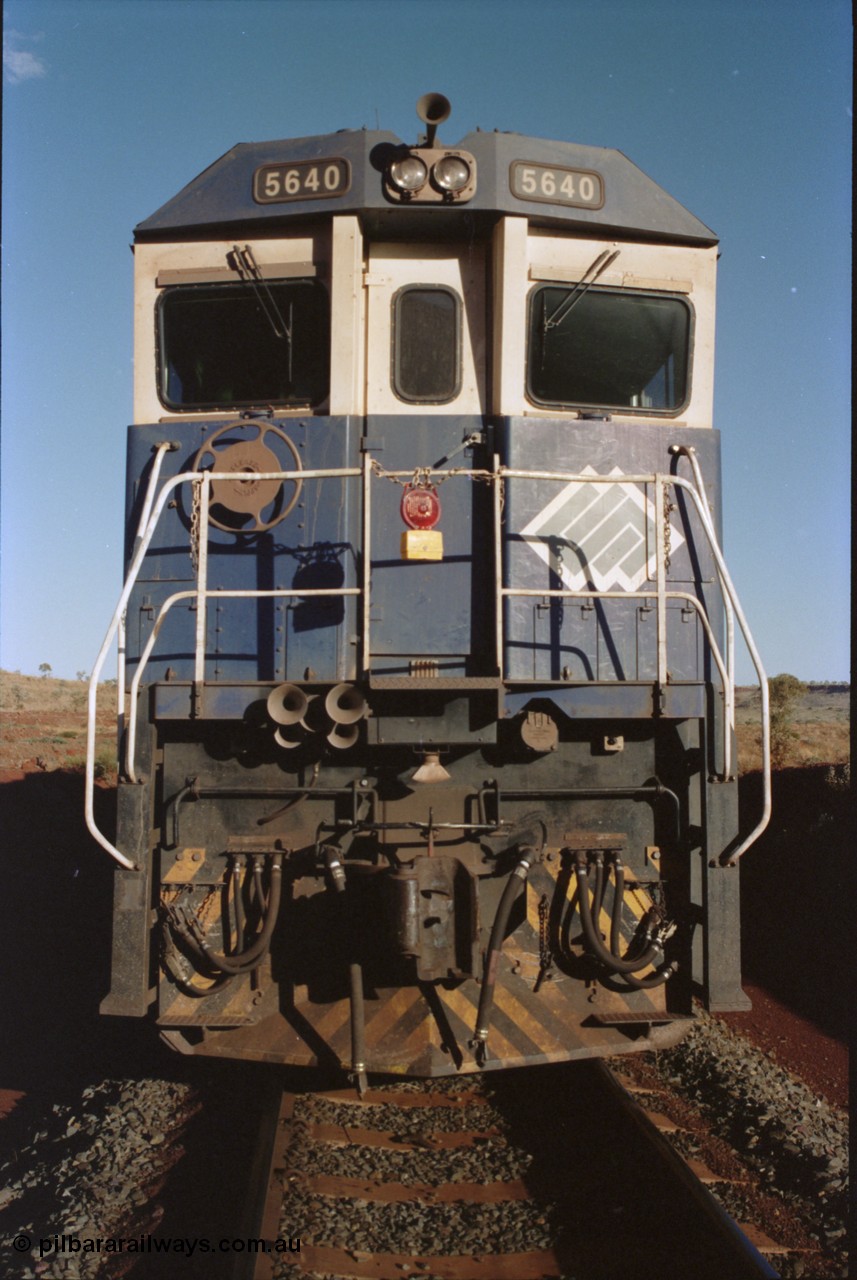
[426, 383]
[426, 330]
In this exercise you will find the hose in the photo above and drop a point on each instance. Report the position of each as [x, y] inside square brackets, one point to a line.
[516, 882]
[649, 922]
[185, 981]
[608, 955]
[249, 958]
[240, 921]
[653, 980]
[355, 981]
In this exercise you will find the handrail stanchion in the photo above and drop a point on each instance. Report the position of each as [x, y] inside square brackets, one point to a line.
[367, 561]
[661, 573]
[202, 592]
[120, 675]
[498, 565]
[688, 451]
[161, 449]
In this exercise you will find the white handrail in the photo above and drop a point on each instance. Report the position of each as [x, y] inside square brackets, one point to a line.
[155, 507]
[194, 594]
[115, 623]
[726, 582]
[688, 451]
[136, 563]
[162, 448]
[729, 593]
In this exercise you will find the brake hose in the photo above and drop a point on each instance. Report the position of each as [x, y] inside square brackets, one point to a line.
[248, 959]
[516, 882]
[625, 967]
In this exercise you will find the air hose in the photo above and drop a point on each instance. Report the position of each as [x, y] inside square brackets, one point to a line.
[516, 882]
[355, 983]
[626, 967]
[248, 959]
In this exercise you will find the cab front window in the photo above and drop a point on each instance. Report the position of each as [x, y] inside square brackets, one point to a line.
[426, 357]
[237, 345]
[604, 349]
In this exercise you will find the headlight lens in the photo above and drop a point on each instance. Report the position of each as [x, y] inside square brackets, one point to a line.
[409, 173]
[451, 173]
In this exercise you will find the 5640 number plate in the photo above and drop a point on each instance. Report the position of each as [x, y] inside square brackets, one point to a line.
[552, 184]
[301, 180]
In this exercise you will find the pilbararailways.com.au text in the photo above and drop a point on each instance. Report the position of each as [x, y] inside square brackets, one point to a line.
[181, 1245]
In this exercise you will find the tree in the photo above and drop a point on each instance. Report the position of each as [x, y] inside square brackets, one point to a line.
[46, 669]
[784, 691]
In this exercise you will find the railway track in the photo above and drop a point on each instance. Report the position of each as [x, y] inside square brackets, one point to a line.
[555, 1172]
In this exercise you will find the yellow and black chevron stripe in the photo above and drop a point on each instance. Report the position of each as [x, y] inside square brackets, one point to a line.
[426, 1029]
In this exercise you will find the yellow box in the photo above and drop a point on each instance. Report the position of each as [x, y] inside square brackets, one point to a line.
[422, 544]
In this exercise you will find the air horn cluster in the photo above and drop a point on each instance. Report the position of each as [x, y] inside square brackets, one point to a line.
[337, 715]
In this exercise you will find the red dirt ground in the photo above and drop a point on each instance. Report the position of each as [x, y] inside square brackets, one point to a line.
[793, 1042]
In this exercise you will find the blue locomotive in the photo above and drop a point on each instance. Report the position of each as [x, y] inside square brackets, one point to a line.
[426, 641]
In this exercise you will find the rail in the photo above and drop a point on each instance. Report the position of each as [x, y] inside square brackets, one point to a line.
[155, 501]
[485, 1223]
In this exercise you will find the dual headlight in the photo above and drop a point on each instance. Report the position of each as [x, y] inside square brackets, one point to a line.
[432, 175]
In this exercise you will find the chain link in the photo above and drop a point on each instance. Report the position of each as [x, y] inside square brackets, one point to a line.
[422, 477]
[545, 952]
[195, 506]
[668, 508]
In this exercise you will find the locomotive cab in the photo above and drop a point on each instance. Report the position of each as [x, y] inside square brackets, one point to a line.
[426, 640]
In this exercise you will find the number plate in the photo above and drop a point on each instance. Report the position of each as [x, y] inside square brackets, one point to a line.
[301, 180]
[551, 184]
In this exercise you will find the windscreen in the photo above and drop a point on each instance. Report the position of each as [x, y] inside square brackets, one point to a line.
[226, 346]
[610, 350]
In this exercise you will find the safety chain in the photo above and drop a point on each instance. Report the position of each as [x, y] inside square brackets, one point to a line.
[545, 952]
[422, 477]
[668, 508]
[195, 507]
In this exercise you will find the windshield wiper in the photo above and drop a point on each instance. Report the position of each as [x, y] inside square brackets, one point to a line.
[245, 264]
[577, 290]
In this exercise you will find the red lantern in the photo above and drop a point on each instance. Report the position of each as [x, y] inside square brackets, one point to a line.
[420, 506]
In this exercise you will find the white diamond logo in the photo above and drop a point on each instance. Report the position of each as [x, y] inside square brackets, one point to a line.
[599, 537]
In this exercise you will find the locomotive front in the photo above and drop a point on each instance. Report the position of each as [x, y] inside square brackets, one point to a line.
[426, 639]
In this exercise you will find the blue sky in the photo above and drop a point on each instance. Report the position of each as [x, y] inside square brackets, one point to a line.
[741, 109]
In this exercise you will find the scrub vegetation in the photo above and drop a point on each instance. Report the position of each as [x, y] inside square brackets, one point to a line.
[810, 724]
[43, 723]
[43, 719]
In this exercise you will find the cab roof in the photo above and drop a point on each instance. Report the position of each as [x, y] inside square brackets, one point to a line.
[221, 199]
